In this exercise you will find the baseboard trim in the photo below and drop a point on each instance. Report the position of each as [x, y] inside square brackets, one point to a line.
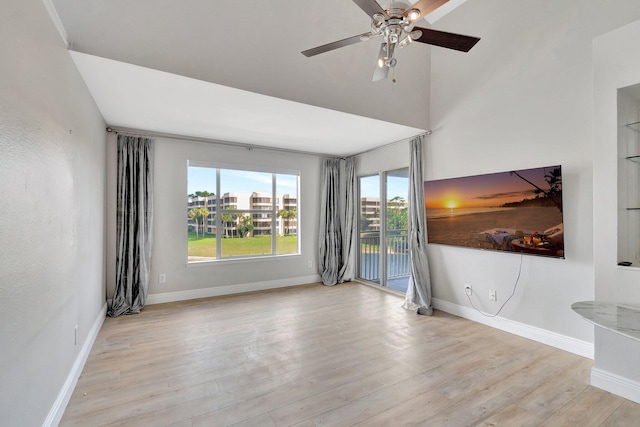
[59, 406]
[616, 384]
[229, 290]
[563, 342]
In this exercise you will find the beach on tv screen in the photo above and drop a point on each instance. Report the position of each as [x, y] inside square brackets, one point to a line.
[514, 211]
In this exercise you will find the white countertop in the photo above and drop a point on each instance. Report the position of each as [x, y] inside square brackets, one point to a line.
[616, 317]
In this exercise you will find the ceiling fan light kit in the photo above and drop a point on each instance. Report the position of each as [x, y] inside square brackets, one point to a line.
[396, 27]
[413, 15]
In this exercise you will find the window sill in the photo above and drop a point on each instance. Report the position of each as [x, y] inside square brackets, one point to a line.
[245, 260]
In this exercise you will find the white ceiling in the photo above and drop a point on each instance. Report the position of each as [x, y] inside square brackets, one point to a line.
[161, 102]
[235, 73]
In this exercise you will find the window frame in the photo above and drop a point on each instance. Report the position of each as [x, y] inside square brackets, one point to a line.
[273, 211]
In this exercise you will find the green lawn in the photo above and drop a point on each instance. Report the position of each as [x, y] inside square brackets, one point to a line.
[234, 247]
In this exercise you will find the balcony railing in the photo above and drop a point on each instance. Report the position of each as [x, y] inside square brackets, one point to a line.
[397, 255]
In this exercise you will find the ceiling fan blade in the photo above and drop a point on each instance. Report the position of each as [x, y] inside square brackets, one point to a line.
[449, 40]
[425, 7]
[336, 45]
[381, 73]
[371, 7]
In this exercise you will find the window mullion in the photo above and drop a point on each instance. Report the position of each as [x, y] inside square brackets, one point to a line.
[218, 217]
[274, 214]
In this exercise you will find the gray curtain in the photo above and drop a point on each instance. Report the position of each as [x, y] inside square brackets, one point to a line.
[329, 237]
[134, 224]
[349, 224]
[418, 295]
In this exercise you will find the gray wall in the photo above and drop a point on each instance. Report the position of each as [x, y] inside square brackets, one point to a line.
[185, 281]
[522, 98]
[52, 213]
[390, 157]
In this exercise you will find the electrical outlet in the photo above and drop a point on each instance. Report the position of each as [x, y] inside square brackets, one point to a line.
[162, 278]
[492, 295]
[309, 264]
[468, 290]
[75, 336]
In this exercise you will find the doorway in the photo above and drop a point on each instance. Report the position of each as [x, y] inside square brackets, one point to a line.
[383, 226]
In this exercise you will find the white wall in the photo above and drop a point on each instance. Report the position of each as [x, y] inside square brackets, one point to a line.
[522, 98]
[52, 215]
[169, 252]
[616, 65]
[390, 157]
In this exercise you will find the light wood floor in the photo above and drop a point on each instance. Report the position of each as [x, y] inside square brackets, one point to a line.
[328, 356]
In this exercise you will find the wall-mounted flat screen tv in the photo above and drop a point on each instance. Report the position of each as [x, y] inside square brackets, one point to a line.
[515, 211]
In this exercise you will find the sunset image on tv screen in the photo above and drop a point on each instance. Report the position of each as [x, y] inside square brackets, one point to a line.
[514, 211]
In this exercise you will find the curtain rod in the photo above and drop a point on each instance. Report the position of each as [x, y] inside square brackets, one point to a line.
[246, 146]
[425, 133]
[139, 132]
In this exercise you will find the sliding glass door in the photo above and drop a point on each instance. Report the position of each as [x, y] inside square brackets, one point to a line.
[383, 247]
[369, 268]
[396, 230]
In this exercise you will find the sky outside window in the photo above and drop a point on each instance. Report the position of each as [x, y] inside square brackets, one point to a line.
[204, 179]
[396, 186]
[201, 179]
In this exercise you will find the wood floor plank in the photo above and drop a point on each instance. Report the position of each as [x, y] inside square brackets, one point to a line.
[410, 412]
[628, 414]
[558, 391]
[472, 404]
[300, 389]
[302, 409]
[512, 415]
[313, 355]
[372, 404]
[592, 407]
[263, 420]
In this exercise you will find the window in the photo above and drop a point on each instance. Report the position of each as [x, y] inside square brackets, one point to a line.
[240, 213]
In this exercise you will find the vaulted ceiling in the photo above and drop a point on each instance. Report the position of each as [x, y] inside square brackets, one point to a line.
[255, 46]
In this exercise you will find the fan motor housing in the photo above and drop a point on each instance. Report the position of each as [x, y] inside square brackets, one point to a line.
[396, 11]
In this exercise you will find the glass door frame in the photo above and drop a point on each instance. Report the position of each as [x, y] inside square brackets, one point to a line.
[382, 232]
[361, 275]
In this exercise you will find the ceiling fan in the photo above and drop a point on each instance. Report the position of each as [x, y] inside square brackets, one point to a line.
[396, 26]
